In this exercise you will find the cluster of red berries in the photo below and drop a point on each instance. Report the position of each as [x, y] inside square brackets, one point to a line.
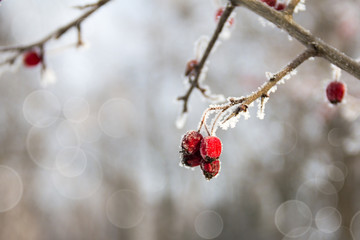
[335, 92]
[31, 58]
[204, 151]
[275, 4]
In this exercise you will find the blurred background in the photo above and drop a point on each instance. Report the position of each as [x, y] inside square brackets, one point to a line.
[96, 154]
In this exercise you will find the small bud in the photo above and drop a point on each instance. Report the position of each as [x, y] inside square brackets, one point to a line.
[190, 66]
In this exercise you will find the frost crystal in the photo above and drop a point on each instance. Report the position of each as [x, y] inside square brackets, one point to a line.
[225, 33]
[217, 98]
[261, 107]
[336, 72]
[265, 23]
[269, 75]
[300, 7]
[272, 90]
[48, 77]
[181, 120]
[229, 123]
[200, 46]
[246, 115]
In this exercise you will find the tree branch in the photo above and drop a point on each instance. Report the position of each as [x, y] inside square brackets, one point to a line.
[56, 34]
[195, 81]
[263, 92]
[304, 36]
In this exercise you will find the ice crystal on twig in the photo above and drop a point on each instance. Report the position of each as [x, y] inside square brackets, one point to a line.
[181, 120]
[300, 6]
[336, 72]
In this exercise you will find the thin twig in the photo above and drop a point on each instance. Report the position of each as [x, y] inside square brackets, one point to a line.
[195, 81]
[291, 7]
[263, 91]
[303, 35]
[57, 33]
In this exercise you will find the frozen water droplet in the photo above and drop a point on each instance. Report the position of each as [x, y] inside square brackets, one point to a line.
[336, 72]
[300, 6]
[181, 120]
[48, 77]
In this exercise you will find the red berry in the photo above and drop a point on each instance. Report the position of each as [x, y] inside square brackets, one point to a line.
[335, 92]
[271, 3]
[218, 14]
[190, 143]
[190, 66]
[210, 148]
[191, 160]
[210, 169]
[31, 59]
[280, 6]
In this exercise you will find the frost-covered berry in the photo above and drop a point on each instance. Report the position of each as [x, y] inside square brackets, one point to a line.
[210, 148]
[190, 66]
[271, 3]
[210, 169]
[335, 92]
[220, 12]
[280, 6]
[190, 142]
[191, 160]
[31, 59]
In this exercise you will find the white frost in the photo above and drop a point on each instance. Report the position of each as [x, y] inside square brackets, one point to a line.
[200, 46]
[261, 108]
[217, 98]
[181, 120]
[48, 77]
[272, 90]
[336, 72]
[269, 75]
[300, 7]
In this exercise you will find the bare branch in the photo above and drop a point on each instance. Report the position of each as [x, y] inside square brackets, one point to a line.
[262, 93]
[195, 81]
[57, 33]
[304, 36]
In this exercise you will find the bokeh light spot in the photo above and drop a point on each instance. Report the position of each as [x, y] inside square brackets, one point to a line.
[328, 220]
[125, 209]
[71, 161]
[209, 224]
[293, 218]
[11, 188]
[41, 108]
[76, 109]
[115, 117]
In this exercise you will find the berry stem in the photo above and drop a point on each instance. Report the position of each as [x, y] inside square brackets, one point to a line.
[217, 118]
[203, 118]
